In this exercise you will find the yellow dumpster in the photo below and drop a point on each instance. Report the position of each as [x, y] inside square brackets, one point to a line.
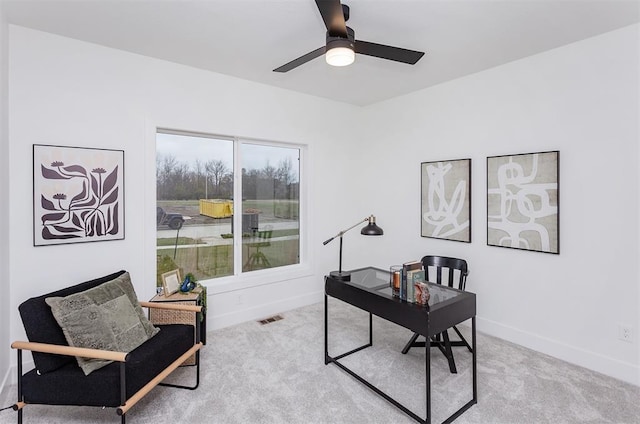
[216, 208]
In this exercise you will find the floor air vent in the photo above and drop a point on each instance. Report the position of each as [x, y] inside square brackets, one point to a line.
[271, 319]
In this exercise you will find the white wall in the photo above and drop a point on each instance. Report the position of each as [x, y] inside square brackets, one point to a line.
[71, 93]
[581, 99]
[4, 194]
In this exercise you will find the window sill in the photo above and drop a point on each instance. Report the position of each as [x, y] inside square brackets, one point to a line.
[256, 278]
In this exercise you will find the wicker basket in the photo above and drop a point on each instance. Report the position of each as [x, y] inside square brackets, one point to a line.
[164, 316]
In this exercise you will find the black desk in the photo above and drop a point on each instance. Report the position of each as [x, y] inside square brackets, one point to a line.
[369, 290]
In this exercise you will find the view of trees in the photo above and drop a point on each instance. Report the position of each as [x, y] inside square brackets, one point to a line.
[214, 180]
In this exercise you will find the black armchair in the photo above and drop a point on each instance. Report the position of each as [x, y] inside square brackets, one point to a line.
[454, 266]
[58, 379]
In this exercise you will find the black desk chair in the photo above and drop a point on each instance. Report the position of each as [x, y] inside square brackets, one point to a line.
[441, 341]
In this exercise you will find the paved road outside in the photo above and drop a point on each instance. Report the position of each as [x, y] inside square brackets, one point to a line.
[209, 230]
[211, 234]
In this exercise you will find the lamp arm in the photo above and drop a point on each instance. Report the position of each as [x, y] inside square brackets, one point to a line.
[341, 233]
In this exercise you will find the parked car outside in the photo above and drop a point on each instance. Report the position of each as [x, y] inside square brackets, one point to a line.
[172, 220]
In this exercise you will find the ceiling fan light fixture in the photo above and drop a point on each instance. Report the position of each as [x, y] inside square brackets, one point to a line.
[340, 56]
[340, 52]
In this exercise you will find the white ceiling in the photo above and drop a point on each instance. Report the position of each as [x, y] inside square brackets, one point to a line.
[249, 38]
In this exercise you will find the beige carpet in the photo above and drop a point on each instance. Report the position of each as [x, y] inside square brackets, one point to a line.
[275, 373]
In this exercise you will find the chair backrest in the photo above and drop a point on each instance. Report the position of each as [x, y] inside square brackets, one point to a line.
[453, 265]
[41, 326]
[264, 237]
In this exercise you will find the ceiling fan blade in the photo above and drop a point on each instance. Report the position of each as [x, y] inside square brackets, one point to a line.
[388, 52]
[301, 60]
[333, 17]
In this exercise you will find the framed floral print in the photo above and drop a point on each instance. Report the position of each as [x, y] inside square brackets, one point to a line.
[78, 195]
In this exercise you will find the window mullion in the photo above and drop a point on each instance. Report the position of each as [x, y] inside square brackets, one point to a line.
[237, 205]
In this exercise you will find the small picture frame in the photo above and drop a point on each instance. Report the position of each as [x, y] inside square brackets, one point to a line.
[171, 282]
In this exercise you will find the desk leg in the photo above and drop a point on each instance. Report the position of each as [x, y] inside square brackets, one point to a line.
[474, 377]
[427, 385]
[326, 331]
[427, 420]
[475, 370]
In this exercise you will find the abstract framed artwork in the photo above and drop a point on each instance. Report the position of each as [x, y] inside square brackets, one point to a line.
[446, 200]
[523, 201]
[78, 195]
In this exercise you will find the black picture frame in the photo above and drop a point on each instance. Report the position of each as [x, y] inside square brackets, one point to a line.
[78, 195]
[445, 211]
[523, 201]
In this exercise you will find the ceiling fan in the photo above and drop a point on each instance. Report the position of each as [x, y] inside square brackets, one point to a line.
[342, 46]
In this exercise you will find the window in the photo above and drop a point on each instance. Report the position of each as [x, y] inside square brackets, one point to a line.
[196, 178]
[270, 205]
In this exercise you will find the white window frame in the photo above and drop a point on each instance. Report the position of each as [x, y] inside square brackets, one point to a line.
[241, 280]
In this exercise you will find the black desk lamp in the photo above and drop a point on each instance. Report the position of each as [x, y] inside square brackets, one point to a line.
[370, 230]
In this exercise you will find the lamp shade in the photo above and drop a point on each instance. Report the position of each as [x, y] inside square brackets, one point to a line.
[371, 229]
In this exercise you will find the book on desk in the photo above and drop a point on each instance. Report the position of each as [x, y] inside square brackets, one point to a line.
[409, 278]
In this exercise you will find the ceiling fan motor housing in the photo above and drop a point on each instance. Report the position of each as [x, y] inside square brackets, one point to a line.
[349, 42]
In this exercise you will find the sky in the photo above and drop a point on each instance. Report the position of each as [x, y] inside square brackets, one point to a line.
[188, 148]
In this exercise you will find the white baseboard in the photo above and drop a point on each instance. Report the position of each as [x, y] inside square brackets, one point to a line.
[11, 377]
[612, 367]
[620, 370]
[5, 381]
[215, 322]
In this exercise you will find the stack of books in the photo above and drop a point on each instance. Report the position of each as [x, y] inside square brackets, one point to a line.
[412, 276]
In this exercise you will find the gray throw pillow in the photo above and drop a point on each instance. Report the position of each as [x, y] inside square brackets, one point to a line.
[121, 285]
[102, 318]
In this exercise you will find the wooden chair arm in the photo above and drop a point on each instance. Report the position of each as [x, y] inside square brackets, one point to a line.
[172, 306]
[71, 351]
[158, 379]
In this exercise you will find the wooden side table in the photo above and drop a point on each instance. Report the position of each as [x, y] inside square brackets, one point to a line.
[161, 316]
